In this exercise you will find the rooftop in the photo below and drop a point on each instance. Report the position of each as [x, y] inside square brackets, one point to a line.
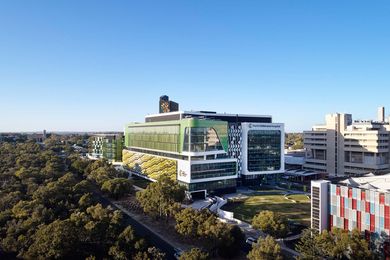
[369, 181]
[205, 113]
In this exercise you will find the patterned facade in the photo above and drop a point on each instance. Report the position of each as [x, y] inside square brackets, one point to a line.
[235, 141]
[364, 209]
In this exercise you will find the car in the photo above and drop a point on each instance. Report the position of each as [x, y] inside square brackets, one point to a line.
[250, 240]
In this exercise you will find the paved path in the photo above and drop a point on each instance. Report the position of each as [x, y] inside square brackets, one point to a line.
[249, 231]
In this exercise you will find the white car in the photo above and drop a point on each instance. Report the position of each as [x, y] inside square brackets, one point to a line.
[250, 240]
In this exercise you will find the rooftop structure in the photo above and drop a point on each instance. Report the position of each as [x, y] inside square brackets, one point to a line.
[370, 181]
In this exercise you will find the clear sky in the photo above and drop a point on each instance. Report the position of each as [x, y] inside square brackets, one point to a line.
[97, 65]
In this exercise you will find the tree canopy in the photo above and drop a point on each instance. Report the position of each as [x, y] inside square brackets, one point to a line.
[265, 249]
[271, 223]
[194, 254]
[223, 238]
[49, 208]
[162, 198]
[338, 244]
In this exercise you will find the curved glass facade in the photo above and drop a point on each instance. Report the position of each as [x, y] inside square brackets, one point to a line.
[264, 150]
[201, 139]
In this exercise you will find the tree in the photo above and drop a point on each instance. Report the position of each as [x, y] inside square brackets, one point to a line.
[194, 254]
[358, 246]
[235, 240]
[118, 187]
[265, 249]
[218, 236]
[56, 240]
[86, 201]
[125, 245]
[186, 222]
[161, 198]
[48, 213]
[308, 246]
[271, 223]
[294, 141]
[338, 244]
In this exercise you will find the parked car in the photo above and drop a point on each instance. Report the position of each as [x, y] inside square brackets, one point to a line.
[250, 240]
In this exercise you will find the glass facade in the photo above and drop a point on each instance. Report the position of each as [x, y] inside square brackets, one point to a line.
[211, 185]
[212, 170]
[264, 150]
[165, 138]
[201, 139]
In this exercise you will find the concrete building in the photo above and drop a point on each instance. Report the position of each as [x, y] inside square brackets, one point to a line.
[319, 205]
[342, 147]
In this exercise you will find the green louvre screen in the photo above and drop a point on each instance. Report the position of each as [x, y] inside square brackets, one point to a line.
[159, 137]
[170, 136]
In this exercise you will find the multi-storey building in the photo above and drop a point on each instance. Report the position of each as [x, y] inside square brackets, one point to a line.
[319, 205]
[361, 203]
[166, 105]
[256, 143]
[107, 146]
[342, 147]
[194, 151]
[206, 151]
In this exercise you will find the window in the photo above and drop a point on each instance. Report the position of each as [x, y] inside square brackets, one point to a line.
[201, 139]
[212, 170]
[212, 185]
[264, 150]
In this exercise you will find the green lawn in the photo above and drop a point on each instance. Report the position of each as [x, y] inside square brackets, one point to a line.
[299, 211]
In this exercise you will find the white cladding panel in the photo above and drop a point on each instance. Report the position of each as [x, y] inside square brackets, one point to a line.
[184, 171]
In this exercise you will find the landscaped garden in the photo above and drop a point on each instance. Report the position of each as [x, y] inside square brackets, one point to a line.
[295, 207]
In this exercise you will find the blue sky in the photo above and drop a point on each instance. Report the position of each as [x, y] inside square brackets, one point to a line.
[97, 65]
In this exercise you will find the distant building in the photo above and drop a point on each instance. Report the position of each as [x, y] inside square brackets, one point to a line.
[107, 146]
[166, 105]
[294, 159]
[37, 137]
[342, 147]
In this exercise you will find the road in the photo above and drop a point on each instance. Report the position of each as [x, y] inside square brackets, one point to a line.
[142, 231]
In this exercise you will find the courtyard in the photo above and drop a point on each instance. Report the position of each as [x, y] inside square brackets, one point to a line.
[296, 207]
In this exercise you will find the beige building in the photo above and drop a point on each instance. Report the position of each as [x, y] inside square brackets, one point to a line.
[342, 147]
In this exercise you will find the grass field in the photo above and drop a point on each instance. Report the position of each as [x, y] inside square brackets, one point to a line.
[298, 211]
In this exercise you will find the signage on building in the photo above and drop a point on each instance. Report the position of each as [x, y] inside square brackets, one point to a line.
[182, 173]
